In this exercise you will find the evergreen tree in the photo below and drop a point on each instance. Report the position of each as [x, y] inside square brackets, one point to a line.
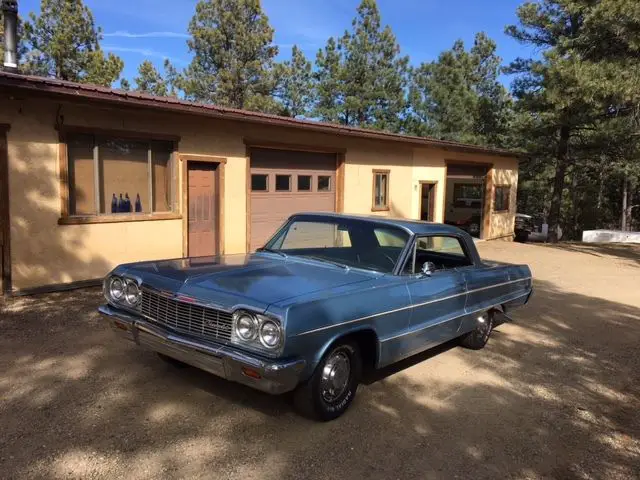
[365, 73]
[546, 88]
[295, 84]
[459, 97]
[63, 42]
[232, 43]
[150, 81]
[172, 78]
[329, 82]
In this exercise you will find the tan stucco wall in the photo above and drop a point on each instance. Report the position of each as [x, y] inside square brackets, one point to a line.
[44, 252]
[360, 162]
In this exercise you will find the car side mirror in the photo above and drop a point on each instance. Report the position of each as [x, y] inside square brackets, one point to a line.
[428, 268]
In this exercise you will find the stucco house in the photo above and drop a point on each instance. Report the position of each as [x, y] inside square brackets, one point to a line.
[91, 177]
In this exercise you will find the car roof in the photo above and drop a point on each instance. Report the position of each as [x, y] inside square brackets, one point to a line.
[417, 227]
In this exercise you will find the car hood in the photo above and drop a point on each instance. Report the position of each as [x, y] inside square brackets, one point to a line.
[231, 281]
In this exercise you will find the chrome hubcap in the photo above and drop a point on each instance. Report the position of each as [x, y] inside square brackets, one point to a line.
[484, 325]
[335, 376]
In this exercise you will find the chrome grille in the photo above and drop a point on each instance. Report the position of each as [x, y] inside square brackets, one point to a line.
[186, 317]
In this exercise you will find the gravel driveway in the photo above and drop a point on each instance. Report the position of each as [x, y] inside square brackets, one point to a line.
[554, 395]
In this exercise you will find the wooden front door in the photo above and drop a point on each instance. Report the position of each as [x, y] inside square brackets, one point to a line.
[427, 201]
[203, 207]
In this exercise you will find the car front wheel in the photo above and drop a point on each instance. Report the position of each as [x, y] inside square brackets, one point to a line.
[333, 385]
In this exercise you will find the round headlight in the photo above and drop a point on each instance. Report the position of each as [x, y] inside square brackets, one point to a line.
[116, 288]
[246, 326]
[269, 334]
[131, 292]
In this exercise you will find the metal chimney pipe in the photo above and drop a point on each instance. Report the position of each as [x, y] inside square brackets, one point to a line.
[10, 13]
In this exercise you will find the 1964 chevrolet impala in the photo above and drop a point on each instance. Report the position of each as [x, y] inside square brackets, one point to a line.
[327, 298]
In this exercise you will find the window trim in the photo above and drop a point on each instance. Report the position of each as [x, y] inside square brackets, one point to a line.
[275, 182]
[495, 193]
[411, 257]
[385, 207]
[63, 165]
[459, 186]
[310, 190]
[251, 190]
[330, 189]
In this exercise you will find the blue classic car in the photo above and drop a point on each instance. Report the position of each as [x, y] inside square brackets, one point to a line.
[327, 299]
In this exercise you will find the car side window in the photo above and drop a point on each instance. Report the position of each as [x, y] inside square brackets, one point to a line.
[444, 252]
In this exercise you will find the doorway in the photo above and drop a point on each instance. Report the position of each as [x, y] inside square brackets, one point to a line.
[427, 201]
[203, 200]
[465, 197]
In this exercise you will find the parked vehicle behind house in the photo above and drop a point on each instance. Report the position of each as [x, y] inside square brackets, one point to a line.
[523, 227]
[327, 298]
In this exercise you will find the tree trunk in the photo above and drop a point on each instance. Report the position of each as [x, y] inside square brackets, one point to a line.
[625, 186]
[574, 204]
[598, 219]
[558, 183]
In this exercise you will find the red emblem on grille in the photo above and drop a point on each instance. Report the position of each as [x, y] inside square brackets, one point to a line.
[184, 298]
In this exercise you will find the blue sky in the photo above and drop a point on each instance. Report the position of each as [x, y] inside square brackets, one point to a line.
[156, 29]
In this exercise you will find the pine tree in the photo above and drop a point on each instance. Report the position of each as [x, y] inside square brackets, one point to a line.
[545, 87]
[150, 81]
[233, 49]
[366, 74]
[494, 107]
[329, 84]
[295, 84]
[63, 42]
[459, 97]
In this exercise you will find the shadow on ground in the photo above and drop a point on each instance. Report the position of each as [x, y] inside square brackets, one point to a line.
[555, 395]
[623, 251]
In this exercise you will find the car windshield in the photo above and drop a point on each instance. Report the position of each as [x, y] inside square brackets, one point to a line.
[345, 242]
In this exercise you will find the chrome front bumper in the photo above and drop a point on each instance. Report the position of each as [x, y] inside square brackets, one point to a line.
[271, 376]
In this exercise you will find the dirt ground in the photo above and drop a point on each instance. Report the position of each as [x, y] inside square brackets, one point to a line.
[554, 395]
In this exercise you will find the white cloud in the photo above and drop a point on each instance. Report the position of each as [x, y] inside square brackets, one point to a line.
[126, 34]
[145, 52]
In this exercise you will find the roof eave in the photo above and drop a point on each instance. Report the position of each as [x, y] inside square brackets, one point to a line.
[71, 90]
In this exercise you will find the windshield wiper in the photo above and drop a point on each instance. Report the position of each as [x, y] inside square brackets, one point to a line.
[326, 260]
[271, 250]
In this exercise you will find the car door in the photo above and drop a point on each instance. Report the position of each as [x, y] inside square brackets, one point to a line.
[437, 299]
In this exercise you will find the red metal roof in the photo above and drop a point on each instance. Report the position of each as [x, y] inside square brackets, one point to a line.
[94, 92]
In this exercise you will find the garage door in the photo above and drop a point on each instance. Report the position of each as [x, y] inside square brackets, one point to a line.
[284, 182]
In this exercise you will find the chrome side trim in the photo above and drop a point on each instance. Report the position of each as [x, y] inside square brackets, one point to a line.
[454, 317]
[408, 307]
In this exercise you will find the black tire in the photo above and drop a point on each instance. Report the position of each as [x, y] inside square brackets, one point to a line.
[310, 398]
[172, 361]
[522, 236]
[478, 338]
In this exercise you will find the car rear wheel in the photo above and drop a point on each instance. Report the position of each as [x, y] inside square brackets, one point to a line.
[333, 385]
[478, 338]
